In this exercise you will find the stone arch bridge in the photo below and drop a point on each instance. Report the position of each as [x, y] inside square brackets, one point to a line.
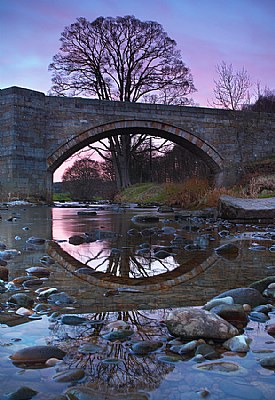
[39, 132]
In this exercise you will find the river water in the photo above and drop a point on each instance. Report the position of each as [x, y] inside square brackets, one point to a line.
[131, 282]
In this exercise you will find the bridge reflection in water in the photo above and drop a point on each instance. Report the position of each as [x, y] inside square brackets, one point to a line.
[197, 275]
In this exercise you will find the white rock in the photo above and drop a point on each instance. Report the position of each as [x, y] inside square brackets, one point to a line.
[238, 343]
[216, 302]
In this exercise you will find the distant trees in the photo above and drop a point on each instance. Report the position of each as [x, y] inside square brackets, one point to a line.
[86, 179]
[121, 59]
[265, 101]
[231, 87]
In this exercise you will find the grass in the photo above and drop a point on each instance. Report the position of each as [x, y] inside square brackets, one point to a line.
[195, 193]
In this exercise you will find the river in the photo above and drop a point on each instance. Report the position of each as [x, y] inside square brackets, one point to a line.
[130, 282]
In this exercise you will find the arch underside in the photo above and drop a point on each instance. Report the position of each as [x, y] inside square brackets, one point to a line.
[179, 136]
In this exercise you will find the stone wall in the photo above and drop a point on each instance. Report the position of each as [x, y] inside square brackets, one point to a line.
[39, 132]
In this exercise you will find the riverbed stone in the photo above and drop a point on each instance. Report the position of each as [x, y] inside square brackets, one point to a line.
[244, 295]
[228, 251]
[38, 271]
[232, 313]
[268, 362]
[145, 347]
[69, 375]
[83, 393]
[23, 393]
[215, 302]
[39, 354]
[4, 272]
[233, 208]
[21, 299]
[195, 323]
[239, 343]
[262, 284]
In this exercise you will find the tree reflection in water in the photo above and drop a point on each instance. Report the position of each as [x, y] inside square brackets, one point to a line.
[113, 366]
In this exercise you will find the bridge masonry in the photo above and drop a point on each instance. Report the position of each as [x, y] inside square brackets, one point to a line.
[39, 132]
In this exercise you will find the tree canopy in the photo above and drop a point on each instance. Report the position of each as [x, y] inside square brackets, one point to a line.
[122, 59]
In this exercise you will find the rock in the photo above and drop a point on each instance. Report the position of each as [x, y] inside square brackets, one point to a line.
[23, 393]
[168, 230]
[36, 240]
[2, 246]
[32, 282]
[46, 293]
[271, 329]
[145, 347]
[232, 208]
[222, 367]
[89, 348]
[262, 284]
[228, 251]
[120, 334]
[83, 393]
[145, 218]
[244, 296]
[258, 316]
[165, 209]
[69, 319]
[268, 362]
[184, 348]
[21, 299]
[85, 213]
[215, 302]
[38, 354]
[3, 263]
[61, 298]
[70, 375]
[77, 240]
[207, 351]
[24, 311]
[40, 272]
[162, 254]
[198, 323]
[4, 272]
[232, 313]
[238, 344]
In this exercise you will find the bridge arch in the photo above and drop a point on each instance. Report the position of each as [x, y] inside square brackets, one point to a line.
[190, 141]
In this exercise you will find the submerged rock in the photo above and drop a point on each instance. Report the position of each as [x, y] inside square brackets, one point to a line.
[23, 393]
[82, 393]
[69, 375]
[21, 299]
[197, 323]
[146, 347]
[69, 319]
[268, 362]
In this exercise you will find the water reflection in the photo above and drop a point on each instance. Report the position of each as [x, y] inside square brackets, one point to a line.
[119, 246]
[115, 368]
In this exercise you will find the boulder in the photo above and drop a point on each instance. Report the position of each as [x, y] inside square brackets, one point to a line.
[39, 354]
[232, 313]
[244, 296]
[232, 208]
[193, 323]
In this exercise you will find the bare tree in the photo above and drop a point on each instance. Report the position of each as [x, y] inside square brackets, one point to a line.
[231, 88]
[121, 59]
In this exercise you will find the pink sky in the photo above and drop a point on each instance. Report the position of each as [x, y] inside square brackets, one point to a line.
[239, 32]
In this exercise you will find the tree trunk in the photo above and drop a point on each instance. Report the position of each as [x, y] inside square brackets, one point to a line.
[121, 152]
